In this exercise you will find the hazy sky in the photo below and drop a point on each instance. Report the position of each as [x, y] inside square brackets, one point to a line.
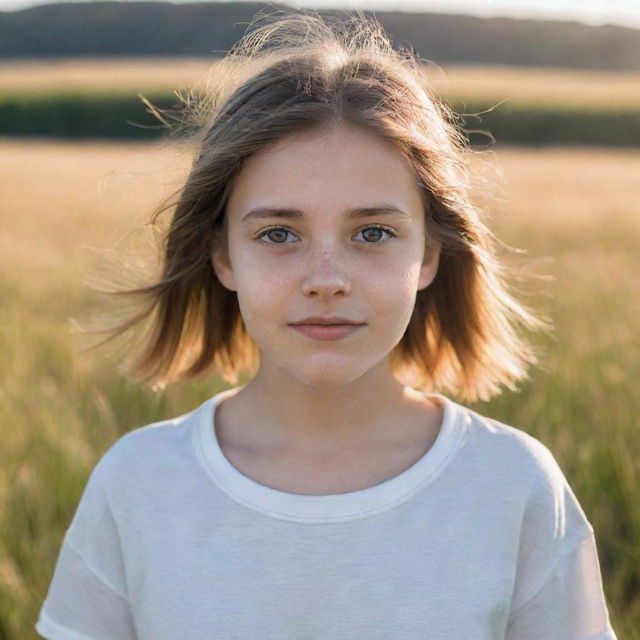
[623, 12]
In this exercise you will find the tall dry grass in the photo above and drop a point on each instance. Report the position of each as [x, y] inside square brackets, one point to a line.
[474, 83]
[575, 212]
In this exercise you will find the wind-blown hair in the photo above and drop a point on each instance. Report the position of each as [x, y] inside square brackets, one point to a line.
[297, 72]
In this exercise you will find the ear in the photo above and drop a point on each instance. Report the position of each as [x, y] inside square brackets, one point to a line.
[221, 263]
[430, 263]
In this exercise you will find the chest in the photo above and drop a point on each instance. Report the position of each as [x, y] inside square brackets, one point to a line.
[401, 575]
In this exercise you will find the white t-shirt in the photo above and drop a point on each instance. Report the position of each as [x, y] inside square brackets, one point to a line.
[481, 539]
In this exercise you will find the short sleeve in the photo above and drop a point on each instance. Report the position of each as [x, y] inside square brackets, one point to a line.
[87, 596]
[558, 589]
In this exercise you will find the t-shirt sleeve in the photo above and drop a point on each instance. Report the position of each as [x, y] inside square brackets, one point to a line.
[87, 597]
[558, 592]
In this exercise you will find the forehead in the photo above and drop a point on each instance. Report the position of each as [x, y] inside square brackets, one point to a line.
[337, 168]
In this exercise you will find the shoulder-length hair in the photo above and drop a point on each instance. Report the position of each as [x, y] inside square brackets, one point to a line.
[295, 72]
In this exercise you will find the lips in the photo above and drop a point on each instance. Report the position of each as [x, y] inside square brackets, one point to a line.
[325, 332]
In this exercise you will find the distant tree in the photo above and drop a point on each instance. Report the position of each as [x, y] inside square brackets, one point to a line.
[210, 28]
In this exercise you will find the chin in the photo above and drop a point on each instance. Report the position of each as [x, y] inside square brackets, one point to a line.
[329, 376]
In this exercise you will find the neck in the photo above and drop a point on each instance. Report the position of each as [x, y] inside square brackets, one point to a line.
[288, 417]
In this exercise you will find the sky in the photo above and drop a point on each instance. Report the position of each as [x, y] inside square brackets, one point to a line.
[592, 12]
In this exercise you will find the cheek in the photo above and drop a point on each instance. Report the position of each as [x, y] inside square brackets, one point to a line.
[259, 291]
[249, 273]
[394, 284]
[393, 298]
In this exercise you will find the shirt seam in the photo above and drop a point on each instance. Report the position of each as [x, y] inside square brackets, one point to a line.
[95, 573]
[559, 560]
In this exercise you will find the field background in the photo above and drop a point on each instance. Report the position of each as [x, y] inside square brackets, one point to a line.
[67, 206]
[519, 85]
[101, 99]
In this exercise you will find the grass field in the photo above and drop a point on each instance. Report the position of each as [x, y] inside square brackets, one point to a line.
[64, 204]
[473, 83]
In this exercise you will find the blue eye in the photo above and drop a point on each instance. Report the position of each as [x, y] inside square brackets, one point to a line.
[283, 233]
[377, 227]
[281, 230]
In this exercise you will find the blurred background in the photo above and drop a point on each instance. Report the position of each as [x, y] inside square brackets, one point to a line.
[83, 162]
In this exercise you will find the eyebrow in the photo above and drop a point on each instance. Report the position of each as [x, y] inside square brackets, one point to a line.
[296, 214]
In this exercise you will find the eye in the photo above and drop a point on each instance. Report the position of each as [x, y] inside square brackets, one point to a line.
[281, 234]
[377, 228]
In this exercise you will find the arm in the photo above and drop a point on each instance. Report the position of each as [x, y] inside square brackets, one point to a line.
[558, 591]
[569, 605]
[87, 596]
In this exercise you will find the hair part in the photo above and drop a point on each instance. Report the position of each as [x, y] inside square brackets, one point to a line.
[297, 72]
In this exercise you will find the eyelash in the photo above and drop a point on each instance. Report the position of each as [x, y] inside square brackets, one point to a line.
[372, 226]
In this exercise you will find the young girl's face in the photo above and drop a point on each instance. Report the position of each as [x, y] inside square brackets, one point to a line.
[300, 245]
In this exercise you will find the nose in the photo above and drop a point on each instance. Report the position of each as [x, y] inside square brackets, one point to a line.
[326, 276]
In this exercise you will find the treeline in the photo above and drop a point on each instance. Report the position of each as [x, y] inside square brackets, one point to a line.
[126, 117]
[210, 29]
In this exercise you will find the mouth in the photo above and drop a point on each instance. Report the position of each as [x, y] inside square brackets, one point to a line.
[325, 332]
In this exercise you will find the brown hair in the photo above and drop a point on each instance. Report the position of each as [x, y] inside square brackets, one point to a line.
[292, 73]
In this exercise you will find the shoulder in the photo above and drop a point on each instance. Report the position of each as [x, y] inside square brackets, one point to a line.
[508, 446]
[147, 454]
[515, 457]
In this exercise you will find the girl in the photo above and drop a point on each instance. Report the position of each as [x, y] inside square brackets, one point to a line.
[325, 241]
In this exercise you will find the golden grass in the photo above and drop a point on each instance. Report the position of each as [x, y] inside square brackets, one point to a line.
[574, 211]
[92, 74]
[532, 86]
[65, 195]
[490, 84]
